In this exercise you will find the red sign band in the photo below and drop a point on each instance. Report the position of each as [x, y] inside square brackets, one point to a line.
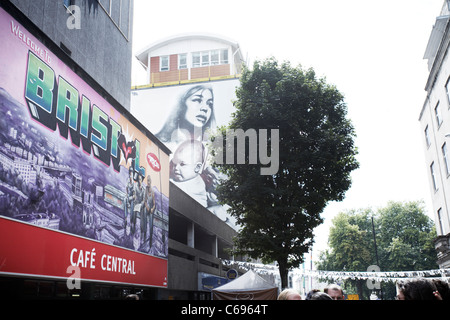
[30, 250]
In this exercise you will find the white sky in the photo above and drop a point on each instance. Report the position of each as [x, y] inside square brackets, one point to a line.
[371, 50]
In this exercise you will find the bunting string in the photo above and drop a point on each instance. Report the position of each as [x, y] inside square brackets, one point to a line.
[382, 276]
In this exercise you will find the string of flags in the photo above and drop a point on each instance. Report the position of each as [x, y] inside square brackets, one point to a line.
[381, 276]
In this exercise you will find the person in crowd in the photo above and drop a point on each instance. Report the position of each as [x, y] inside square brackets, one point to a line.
[443, 288]
[320, 296]
[289, 294]
[334, 291]
[417, 289]
[310, 293]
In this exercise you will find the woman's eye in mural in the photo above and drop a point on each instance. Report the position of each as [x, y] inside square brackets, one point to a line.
[203, 103]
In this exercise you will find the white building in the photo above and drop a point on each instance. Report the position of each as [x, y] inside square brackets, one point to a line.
[435, 125]
[191, 56]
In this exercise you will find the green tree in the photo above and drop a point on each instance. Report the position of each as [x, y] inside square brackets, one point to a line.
[404, 237]
[350, 236]
[278, 213]
[401, 224]
[354, 253]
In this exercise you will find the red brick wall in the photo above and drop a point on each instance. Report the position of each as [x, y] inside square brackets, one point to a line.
[174, 74]
[154, 64]
[173, 62]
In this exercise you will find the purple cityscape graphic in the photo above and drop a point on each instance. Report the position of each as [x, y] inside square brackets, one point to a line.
[48, 182]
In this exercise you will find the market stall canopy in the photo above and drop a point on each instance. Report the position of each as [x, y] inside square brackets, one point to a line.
[249, 286]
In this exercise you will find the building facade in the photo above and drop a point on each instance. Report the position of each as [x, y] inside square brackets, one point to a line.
[435, 125]
[97, 35]
[195, 56]
[84, 186]
[75, 163]
[198, 71]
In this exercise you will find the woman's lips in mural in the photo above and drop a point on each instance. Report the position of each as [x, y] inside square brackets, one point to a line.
[201, 118]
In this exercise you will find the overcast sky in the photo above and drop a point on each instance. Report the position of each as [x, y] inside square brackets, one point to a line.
[371, 50]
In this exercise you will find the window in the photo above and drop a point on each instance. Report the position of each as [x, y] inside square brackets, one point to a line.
[437, 112]
[124, 17]
[214, 57]
[119, 11]
[224, 56]
[427, 137]
[440, 221]
[447, 88]
[182, 61]
[115, 11]
[106, 4]
[196, 59]
[205, 58]
[433, 178]
[209, 58]
[164, 63]
[445, 155]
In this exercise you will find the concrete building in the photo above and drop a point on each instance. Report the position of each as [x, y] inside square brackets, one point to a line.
[435, 125]
[97, 35]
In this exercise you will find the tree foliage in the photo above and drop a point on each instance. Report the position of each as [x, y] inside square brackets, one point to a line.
[404, 240]
[278, 213]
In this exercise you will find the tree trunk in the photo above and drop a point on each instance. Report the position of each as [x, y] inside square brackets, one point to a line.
[359, 287]
[283, 274]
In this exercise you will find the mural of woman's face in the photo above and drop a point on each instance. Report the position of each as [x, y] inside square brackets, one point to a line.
[199, 107]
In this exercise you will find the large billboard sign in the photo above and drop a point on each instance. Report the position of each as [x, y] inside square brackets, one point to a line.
[80, 184]
[183, 117]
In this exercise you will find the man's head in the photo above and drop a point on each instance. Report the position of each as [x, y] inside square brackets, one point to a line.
[334, 291]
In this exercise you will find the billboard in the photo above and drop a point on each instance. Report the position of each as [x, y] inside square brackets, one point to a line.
[182, 117]
[81, 183]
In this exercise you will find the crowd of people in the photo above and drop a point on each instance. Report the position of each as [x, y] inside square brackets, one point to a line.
[416, 289]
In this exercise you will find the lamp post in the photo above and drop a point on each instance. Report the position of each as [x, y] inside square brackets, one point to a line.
[375, 242]
[376, 253]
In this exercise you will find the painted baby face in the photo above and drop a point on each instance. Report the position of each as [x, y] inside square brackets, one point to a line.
[186, 163]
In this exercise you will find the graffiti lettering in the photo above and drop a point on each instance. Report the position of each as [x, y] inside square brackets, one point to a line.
[36, 48]
[54, 102]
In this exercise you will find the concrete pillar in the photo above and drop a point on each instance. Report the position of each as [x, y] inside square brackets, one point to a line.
[191, 235]
[215, 247]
